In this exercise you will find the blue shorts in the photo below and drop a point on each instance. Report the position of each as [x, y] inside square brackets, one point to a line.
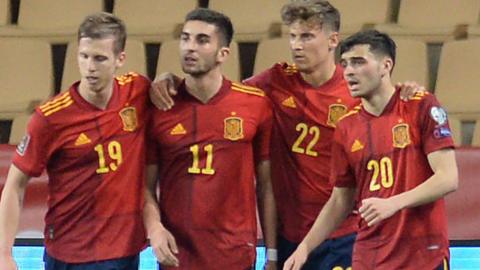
[126, 263]
[335, 253]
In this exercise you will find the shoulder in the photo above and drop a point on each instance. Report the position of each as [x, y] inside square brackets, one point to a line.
[133, 80]
[244, 89]
[55, 104]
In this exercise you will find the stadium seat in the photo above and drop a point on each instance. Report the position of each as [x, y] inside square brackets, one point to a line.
[271, 51]
[19, 126]
[476, 134]
[26, 75]
[169, 60]
[434, 22]
[4, 12]
[379, 12]
[411, 62]
[458, 81]
[253, 20]
[135, 61]
[54, 20]
[153, 20]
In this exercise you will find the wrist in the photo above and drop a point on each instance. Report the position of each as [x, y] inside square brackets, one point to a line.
[271, 254]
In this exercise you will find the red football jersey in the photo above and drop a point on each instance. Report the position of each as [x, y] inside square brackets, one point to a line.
[385, 156]
[95, 161]
[207, 155]
[304, 122]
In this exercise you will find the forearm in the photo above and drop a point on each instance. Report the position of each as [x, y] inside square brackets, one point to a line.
[151, 213]
[435, 187]
[332, 215]
[266, 205]
[10, 206]
[443, 181]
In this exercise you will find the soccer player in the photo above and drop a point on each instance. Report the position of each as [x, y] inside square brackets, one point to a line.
[308, 98]
[208, 147]
[91, 141]
[396, 159]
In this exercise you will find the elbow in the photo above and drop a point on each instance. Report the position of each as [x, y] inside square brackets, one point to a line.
[454, 182]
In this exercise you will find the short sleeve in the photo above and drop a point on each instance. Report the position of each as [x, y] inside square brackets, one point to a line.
[33, 152]
[436, 133]
[341, 174]
[262, 138]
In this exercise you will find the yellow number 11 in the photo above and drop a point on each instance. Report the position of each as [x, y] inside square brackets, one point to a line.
[195, 169]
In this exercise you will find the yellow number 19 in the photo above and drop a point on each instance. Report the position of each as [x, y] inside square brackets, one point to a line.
[114, 149]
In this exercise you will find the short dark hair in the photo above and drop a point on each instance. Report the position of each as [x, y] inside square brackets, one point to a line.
[102, 25]
[220, 20]
[320, 12]
[380, 43]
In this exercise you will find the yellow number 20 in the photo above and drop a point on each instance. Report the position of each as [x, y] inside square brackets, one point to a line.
[114, 149]
[384, 169]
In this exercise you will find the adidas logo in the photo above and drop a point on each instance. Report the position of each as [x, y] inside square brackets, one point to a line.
[82, 139]
[356, 146]
[289, 102]
[178, 130]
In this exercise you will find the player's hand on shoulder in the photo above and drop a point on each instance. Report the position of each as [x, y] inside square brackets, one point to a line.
[164, 246]
[7, 263]
[162, 89]
[374, 210]
[408, 89]
[297, 259]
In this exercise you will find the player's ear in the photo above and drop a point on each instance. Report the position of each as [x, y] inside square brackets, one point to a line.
[120, 59]
[223, 54]
[333, 40]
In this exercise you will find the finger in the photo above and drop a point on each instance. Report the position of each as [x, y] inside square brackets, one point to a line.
[172, 244]
[365, 206]
[369, 217]
[157, 98]
[374, 221]
[172, 84]
[162, 89]
[168, 255]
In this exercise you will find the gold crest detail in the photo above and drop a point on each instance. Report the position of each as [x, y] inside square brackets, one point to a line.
[233, 128]
[401, 135]
[129, 118]
[335, 112]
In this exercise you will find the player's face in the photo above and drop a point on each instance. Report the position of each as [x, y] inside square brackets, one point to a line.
[98, 62]
[200, 48]
[311, 45]
[363, 71]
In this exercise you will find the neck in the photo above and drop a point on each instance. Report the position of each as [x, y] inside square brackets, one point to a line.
[375, 103]
[320, 74]
[99, 98]
[204, 87]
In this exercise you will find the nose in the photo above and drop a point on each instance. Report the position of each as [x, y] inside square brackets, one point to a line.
[91, 64]
[295, 44]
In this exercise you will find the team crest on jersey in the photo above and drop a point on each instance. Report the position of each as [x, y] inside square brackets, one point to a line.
[401, 135]
[129, 118]
[233, 128]
[335, 112]
[22, 146]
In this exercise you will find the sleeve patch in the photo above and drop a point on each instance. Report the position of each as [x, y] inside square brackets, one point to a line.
[439, 115]
[23, 145]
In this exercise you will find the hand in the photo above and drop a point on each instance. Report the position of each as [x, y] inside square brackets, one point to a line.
[270, 265]
[164, 246]
[162, 89]
[297, 259]
[408, 89]
[7, 262]
[374, 210]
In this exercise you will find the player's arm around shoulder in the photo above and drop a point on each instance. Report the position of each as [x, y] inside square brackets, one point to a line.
[10, 206]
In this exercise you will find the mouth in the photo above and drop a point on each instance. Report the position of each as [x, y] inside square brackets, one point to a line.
[189, 60]
[353, 84]
[91, 79]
